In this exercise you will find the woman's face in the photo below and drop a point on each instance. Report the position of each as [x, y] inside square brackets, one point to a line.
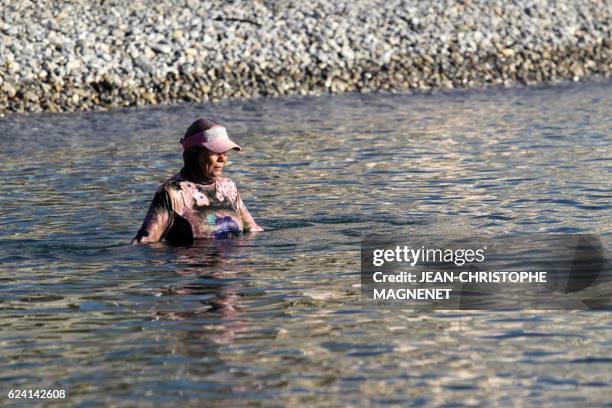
[211, 163]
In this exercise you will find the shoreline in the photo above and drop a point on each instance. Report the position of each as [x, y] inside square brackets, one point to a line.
[81, 57]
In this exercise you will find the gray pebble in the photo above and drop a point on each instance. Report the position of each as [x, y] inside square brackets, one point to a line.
[157, 52]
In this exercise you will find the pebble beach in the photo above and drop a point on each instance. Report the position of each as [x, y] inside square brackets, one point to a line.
[83, 55]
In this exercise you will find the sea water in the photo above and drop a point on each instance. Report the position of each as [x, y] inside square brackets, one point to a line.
[277, 316]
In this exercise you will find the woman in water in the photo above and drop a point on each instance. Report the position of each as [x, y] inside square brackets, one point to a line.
[197, 202]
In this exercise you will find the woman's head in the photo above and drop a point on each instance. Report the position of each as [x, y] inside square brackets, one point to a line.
[206, 150]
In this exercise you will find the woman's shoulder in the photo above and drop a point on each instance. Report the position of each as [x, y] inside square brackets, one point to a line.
[227, 188]
[175, 183]
[175, 186]
[226, 182]
[175, 189]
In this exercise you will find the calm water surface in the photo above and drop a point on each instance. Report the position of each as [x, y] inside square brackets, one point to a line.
[277, 317]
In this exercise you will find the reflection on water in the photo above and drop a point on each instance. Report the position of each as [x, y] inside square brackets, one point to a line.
[278, 315]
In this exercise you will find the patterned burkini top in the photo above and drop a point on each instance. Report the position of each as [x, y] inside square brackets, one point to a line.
[183, 210]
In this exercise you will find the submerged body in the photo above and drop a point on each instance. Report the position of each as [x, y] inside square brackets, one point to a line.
[184, 210]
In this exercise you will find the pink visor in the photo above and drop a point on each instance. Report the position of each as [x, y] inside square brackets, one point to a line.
[214, 139]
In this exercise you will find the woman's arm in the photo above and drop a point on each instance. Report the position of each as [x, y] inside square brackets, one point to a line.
[157, 221]
[248, 223]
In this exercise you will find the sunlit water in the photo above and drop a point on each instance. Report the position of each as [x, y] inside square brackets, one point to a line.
[277, 317]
